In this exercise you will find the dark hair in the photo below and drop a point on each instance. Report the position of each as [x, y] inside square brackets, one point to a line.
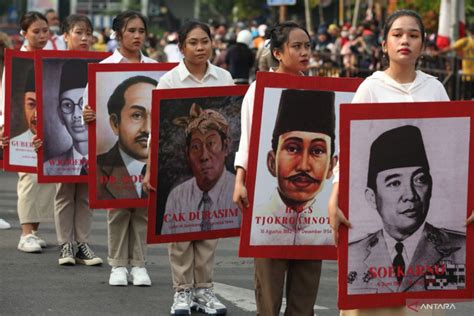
[398, 14]
[121, 20]
[388, 25]
[29, 18]
[74, 19]
[188, 27]
[280, 34]
[49, 11]
[117, 99]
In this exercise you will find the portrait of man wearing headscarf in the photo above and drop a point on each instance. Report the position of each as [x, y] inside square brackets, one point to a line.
[203, 202]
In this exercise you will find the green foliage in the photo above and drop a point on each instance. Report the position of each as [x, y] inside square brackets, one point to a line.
[421, 6]
[220, 10]
[427, 8]
[248, 9]
[469, 9]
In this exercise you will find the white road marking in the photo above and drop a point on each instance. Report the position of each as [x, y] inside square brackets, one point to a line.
[244, 298]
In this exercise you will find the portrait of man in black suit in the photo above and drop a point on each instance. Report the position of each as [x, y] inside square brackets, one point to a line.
[408, 253]
[120, 170]
[74, 160]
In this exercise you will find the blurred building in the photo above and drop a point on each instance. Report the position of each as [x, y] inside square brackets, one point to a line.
[165, 14]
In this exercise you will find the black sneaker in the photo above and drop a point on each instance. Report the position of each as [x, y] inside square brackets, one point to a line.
[85, 255]
[66, 256]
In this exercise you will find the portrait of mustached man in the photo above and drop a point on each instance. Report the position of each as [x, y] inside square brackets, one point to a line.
[301, 159]
[129, 109]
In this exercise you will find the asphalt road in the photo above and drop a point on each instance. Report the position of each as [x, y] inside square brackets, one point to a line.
[34, 284]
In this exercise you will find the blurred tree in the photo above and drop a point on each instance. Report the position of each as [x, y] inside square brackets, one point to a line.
[248, 9]
[226, 11]
[469, 9]
[429, 11]
[216, 10]
[421, 6]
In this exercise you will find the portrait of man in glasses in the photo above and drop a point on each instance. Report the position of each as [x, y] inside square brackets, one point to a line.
[73, 161]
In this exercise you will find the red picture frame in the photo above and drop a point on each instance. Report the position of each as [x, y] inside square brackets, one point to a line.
[10, 55]
[121, 70]
[352, 114]
[41, 57]
[182, 95]
[266, 80]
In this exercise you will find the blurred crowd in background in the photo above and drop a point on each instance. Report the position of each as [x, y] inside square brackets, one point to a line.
[337, 51]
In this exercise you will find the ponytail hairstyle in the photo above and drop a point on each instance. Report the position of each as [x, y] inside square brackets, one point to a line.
[121, 20]
[280, 34]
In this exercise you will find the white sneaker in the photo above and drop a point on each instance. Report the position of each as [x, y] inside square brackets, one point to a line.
[182, 303]
[41, 242]
[29, 243]
[4, 224]
[140, 277]
[118, 276]
[206, 301]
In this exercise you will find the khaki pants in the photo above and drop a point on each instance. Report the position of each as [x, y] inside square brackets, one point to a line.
[192, 263]
[127, 237]
[72, 215]
[35, 201]
[302, 283]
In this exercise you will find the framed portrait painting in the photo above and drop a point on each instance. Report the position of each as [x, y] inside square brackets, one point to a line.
[405, 186]
[62, 79]
[195, 134]
[120, 94]
[20, 111]
[293, 151]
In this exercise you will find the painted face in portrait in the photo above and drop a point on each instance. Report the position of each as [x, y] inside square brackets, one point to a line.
[29, 102]
[133, 125]
[301, 164]
[399, 183]
[402, 198]
[302, 145]
[70, 112]
[206, 157]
